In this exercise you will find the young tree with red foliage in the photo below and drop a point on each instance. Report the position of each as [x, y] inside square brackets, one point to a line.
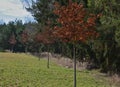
[24, 39]
[76, 25]
[46, 38]
[12, 41]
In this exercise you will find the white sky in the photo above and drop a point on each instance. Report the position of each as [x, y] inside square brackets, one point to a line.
[13, 9]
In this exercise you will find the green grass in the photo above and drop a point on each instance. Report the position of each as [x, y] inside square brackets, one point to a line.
[21, 70]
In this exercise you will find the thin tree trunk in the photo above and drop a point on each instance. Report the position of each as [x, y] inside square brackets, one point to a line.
[25, 48]
[48, 58]
[12, 48]
[74, 65]
[62, 49]
[39, 51]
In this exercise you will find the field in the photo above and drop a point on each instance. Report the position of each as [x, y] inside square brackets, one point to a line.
[22, 70]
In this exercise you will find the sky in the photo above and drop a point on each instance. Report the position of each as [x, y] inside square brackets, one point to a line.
[11, 10]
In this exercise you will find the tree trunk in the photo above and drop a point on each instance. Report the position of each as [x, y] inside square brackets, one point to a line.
[25, 48]
[48, 58]
[12, 48]
[74, 65]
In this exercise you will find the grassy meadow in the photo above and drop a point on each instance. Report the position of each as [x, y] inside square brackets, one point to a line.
[22, 70]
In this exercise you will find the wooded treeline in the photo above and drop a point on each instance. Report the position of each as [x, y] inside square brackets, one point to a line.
[102, 52]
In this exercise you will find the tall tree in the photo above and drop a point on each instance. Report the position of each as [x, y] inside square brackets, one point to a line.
[108, 27]
[42, 11]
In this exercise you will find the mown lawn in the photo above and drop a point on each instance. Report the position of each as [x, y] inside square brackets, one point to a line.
[21, 70]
